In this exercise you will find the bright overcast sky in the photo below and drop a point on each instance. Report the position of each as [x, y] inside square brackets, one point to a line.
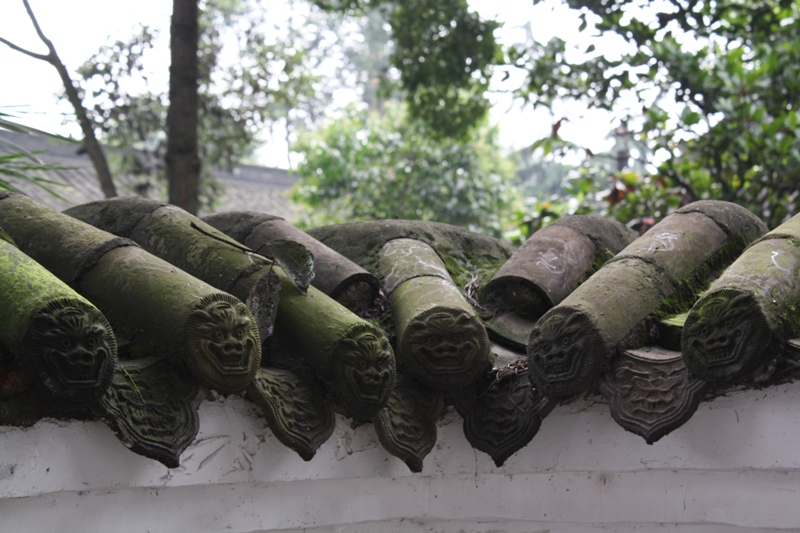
[79, 27]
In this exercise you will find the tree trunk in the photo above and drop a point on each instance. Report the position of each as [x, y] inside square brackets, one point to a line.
[183, 162]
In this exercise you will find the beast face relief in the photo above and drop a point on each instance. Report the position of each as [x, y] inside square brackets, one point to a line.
[407, 425]
[364, 372]
[445, 348]
[295, 410]
[224, 343]
[71, 352]
[503, 415]
[149, 407]
[564, 353]
[650, 393]
[725, 336]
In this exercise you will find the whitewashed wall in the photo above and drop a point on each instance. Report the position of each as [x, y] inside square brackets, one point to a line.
[734, 467]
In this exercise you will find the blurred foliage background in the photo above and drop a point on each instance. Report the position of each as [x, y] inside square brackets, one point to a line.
[705, 96]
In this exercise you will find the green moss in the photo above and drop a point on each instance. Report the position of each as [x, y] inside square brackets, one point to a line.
[790, 320]
[689, 289]
[466, 255]
[601, 257]
[675, 320]
[6, 237]
[26, 287]
[138, 349]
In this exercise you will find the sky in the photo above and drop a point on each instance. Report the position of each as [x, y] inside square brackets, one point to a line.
[79, 27]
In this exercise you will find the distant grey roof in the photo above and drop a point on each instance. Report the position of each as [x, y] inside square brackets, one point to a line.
[245, 187]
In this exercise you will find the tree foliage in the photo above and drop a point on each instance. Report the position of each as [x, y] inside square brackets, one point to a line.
[718, 89]
[18, 165]
[444, 53]
[372, 166]
[708, 91]
[271, 81]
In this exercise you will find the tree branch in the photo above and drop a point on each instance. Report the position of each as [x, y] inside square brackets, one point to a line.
[34, 55]
[39, 31]
[87, 127]
[671, 174]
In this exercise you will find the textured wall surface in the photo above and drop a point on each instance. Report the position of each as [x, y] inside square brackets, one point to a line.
[735, 466]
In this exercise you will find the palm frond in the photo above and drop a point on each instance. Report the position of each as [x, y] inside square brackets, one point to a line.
[22, 128]
[22, 164]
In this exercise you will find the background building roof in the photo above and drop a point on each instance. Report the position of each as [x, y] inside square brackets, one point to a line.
[244, 187]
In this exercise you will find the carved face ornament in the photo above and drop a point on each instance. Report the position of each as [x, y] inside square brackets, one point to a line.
[725, 336]
[72, 352]
[563, 352]
[364, 369]
[445, 342]
[225, 342]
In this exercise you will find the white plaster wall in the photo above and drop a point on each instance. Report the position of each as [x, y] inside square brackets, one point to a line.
[734, 467]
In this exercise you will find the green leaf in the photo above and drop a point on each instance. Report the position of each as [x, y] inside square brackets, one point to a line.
[690, 117]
